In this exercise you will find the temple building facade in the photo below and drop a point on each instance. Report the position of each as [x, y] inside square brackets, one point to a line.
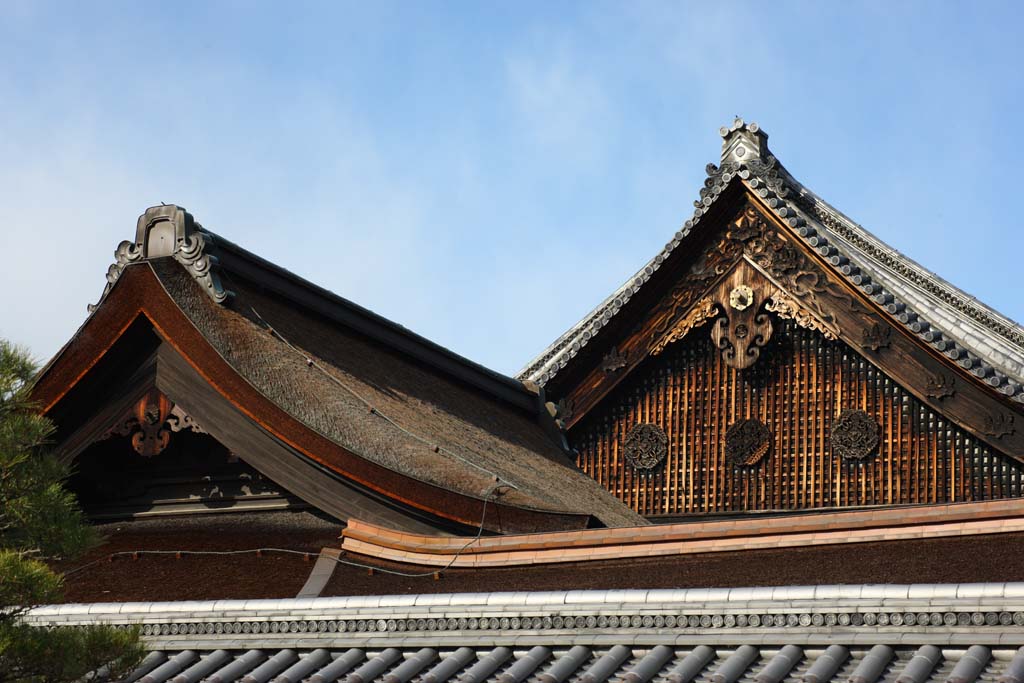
[700, 481]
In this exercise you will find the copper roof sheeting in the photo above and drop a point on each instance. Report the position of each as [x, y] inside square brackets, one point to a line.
[954, 633]
[778, 531]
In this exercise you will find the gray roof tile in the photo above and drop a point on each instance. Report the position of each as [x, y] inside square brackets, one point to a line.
[990, 345]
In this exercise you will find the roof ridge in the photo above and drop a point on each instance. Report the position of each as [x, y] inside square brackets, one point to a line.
[762, 173]
[826, 213]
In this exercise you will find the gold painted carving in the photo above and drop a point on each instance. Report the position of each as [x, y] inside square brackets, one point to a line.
[785, 307]
[701, 313]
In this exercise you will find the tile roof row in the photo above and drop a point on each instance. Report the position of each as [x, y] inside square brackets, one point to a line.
[956, 633]
[787, 663]
[976, 337]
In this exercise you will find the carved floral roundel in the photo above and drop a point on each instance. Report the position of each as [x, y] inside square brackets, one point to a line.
[854, 435]
[646, 446]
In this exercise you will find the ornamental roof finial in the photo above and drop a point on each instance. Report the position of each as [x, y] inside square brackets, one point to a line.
[743, 141]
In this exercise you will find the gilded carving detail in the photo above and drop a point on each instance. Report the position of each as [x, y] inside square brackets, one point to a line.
[790, 309]
[741, 298]
[751, 236]
[702, 312]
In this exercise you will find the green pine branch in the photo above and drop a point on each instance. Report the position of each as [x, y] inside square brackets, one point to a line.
[40, 520]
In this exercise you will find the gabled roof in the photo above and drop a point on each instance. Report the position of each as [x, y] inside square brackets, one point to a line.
[353, 394]
[980, 340]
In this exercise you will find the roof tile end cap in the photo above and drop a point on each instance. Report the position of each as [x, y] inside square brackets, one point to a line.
[743, 142]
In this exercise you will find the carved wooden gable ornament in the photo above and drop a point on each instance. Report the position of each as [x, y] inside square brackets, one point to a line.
[792, 361]
[750, 273]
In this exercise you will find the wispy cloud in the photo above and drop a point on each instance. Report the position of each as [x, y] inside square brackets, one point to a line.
[562, 104]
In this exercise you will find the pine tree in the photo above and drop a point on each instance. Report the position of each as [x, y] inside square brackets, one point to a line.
[40, 520]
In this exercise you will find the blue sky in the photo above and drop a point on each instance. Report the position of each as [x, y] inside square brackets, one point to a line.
[485, 173]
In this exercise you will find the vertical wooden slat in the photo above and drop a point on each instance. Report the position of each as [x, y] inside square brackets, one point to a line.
[797, 390]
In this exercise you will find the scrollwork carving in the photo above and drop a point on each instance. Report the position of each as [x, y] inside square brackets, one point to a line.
[701, 313]
[126, 253]
[752, 236]
[179, 420]
[645, 447]
[742, 334]
[854, 435]
[789, 309]
[151, 422]
[169, 230]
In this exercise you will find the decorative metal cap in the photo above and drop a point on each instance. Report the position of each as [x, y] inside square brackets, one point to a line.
[169, 230]
[743, 141]
[163, 230]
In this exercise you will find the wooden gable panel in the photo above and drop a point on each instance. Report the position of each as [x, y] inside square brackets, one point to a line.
[798, 389]
[769, 332]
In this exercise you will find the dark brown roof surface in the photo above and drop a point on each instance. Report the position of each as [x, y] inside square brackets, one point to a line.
[481, 435]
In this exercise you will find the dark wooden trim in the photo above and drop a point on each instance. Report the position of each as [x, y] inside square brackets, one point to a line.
[910, 362]
[974, 407]
[138, 292]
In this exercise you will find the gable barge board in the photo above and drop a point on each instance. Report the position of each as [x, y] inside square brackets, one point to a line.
[623, 324]
[273, 458]
[139, 292]
[907, 360]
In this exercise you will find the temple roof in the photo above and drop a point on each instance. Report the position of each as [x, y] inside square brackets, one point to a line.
[385, 395]
[863, 633]
[979, 339]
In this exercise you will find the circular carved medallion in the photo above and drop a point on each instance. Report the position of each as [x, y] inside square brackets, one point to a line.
[854, 435]
[646, 446]
[747, 442]
[741, 297]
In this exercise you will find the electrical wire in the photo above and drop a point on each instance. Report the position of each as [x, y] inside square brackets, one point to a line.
[288, 551]
[373, 409]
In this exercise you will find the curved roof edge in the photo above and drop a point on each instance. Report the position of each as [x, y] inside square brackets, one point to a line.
[980, 340]
[170, 230]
